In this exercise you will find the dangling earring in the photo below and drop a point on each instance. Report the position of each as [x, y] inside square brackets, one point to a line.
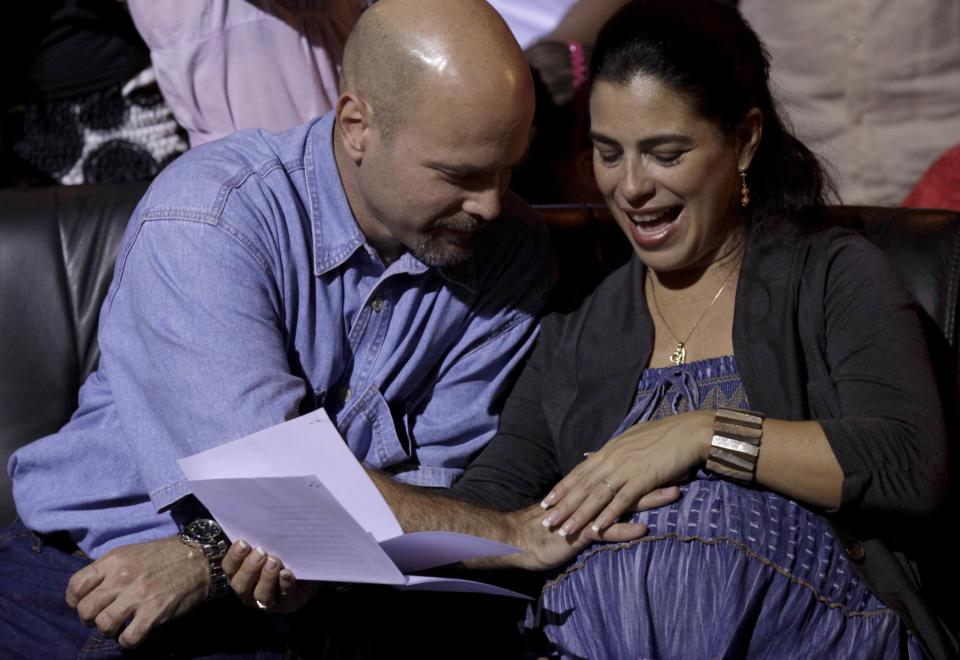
[744, 190]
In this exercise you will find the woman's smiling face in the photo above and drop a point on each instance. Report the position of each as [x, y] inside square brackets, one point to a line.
[669, 176]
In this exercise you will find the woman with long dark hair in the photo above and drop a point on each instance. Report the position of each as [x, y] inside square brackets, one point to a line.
[736, 301]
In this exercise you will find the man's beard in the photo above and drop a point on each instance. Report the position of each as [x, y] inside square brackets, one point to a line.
[437, 248]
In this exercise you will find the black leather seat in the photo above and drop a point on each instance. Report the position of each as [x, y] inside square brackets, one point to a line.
[57, 248]
[58, 245]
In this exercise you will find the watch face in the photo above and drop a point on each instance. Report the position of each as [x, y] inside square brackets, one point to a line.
[204, 530]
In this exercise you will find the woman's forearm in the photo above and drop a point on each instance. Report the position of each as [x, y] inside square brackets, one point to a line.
[796, 460]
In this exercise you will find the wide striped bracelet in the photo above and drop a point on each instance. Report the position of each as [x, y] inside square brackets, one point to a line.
[736, 443]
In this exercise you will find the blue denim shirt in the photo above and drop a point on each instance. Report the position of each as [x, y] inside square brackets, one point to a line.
[245, 294]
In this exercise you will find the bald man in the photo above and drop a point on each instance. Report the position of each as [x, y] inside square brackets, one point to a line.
[364, 263]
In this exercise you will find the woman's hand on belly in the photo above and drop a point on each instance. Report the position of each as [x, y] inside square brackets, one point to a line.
[632, 472]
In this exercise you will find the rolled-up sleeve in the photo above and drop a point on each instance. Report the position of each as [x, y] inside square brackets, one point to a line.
[889, 435]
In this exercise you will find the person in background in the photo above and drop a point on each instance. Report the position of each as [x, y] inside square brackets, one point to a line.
[939, 187]
[81, 104]
[558, 38]
[873, 86]
[226, 65]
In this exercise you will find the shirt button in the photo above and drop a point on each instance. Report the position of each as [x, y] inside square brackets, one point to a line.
[855, 552]
[346, 394]
[376, 304]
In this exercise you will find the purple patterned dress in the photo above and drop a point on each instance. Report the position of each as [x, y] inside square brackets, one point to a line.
[727, 571]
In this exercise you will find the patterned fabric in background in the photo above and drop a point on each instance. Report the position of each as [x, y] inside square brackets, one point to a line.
[121, 133]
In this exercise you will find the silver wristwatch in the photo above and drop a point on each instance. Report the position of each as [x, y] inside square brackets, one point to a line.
[206, 535]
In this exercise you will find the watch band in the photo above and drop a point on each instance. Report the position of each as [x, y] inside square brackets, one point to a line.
[207, 536]
[736, 443]
[218, 579]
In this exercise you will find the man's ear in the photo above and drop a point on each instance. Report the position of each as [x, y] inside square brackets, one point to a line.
[353, 116]
[748, 135]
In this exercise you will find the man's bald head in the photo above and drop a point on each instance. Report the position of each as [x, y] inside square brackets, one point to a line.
[434, 113]
[402, 52]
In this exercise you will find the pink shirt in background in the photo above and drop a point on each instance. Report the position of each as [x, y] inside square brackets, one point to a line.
[225, 65]
[531, 19]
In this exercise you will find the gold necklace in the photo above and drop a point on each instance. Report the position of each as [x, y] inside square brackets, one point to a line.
[680, 352]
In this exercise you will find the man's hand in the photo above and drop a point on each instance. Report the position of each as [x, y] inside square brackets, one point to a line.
[142, 585]
[419, 510]
[542, 549]
[260, 580]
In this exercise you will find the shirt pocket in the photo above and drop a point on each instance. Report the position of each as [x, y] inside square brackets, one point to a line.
[371, 432]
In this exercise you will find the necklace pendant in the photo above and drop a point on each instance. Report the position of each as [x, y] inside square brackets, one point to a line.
[679, 354]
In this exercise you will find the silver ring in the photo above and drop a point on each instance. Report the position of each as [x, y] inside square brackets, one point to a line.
[262, 605]
[609, 487]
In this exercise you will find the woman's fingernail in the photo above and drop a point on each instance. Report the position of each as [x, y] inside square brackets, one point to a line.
[258, 555]
[595, 527]
[548, 500]
[286, 575]
[567, 528]
[243, 547]
[271, 564]
[550, 519]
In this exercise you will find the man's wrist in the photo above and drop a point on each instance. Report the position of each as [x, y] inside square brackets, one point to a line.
[198, 565]
[518, 528]
[205, 536]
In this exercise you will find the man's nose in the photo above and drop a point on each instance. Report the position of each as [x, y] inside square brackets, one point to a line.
[484, 204]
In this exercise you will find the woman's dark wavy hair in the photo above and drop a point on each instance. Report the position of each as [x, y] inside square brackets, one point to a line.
[706, 51]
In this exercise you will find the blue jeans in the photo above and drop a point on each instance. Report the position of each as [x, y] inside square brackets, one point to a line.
[366, 621]
[36, 622]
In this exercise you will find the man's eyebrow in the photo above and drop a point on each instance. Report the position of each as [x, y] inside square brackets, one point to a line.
[466, 170]
[647, 143]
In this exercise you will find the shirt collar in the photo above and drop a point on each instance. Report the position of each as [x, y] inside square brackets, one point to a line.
[336, 235]
[462, 274]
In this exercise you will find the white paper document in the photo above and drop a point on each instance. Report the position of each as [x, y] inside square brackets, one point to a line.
[298, 492]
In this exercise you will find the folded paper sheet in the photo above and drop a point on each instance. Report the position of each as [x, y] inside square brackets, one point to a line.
[298, 492]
